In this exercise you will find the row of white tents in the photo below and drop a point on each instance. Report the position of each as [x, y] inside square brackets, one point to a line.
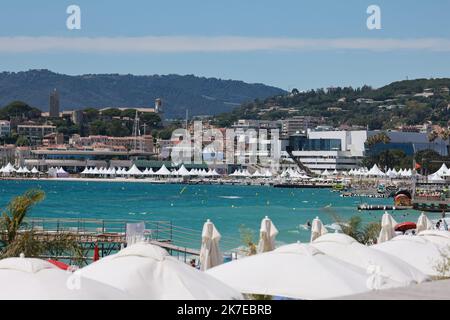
[331, 265]
[9, 169]
[163, 171]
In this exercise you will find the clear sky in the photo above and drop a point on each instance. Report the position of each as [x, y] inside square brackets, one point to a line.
[286, 43]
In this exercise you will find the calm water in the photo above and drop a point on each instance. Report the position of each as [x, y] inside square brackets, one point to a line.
[189, 206]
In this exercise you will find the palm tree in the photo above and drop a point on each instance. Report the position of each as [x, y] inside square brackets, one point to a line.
[444, 134]
[18, 239]
[381, 137]
[17, 209]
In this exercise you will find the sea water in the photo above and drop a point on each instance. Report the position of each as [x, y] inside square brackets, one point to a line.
[188, 206]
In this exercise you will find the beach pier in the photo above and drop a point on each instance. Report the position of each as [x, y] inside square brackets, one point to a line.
[109, 236]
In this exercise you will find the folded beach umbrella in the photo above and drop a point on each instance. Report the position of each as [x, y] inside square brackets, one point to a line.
[317, 229]
[393, 271]
[415, 250]
[210, 255]
[387, 228]
[145, 271]
[267, 235]
[35, 279]
[423, 223]
[296, 271]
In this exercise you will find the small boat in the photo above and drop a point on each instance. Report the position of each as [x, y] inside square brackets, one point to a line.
[405, 226]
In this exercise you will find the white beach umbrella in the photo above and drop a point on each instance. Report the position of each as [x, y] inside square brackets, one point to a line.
[423, 223]
[35, 279]
[415, 250]
[145, 271]
[393, 272]
[267, 234]
[317, 229]
[296, 271]
[441, 238]
[387, 231]
[210, 255]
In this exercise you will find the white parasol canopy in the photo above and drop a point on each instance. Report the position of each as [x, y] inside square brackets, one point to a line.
[415, 250]
[296, 271]
[210, 255]
[441, 238]
[145, 271]
[267, 235]
[393, 271]
[35, 279]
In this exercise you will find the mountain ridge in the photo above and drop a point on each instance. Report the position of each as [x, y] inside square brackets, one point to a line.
[200, 95]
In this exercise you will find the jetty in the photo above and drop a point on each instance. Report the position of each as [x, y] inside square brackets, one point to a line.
[110, 236]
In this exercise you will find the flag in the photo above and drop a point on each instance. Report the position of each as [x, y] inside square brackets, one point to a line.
[417, 166]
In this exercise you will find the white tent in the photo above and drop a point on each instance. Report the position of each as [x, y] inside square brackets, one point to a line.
[183, 171]
[9, 168]
[415, 250]
[61, 173]
[317, 229]
[375, 171]
[145, 271]
[423, 223]
[267, 234]
[134, 171]
[35, 279]
[295, 271]
[34, 170]
[163, 171]
[435, 177]
[210, 255]
[393, 272]
[443, 170]
[214, 173]
[387, 228]
[325, 173]
[85, 171]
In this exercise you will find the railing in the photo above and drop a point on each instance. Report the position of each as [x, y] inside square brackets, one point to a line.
[178, 238]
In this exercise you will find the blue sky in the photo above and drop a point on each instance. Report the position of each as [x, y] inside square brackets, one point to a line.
[286, 43]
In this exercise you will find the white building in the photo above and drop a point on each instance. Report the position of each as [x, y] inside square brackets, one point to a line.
[320, 150]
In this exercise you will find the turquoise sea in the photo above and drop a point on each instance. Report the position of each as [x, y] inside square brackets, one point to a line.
[189, 206]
